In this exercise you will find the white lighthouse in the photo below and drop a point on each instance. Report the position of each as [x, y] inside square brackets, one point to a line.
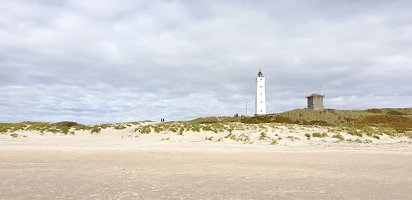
[260, 94]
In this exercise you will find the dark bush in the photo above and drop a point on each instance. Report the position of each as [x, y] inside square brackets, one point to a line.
[394, 112]
[267, 119]
[374, 110]
[393, 121]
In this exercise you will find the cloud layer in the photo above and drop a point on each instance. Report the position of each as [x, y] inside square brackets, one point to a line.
[109, 61]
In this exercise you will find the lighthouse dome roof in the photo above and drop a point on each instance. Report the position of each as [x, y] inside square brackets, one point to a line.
[260, 74]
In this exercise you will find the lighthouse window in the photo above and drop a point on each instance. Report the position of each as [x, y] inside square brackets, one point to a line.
[260, 86]
[261, 110]
[260, 93]
[261, 102]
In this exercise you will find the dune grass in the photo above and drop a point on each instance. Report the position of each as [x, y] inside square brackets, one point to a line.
[320, 135]
[372, 123]
[339, 137]
[180, 127]
[64, 127]
[390, 120]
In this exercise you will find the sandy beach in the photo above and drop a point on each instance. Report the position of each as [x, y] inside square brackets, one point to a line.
[109, 166]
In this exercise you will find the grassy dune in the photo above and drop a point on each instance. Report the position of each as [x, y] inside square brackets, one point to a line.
[64, 127]
[397, 119]
[372, 122]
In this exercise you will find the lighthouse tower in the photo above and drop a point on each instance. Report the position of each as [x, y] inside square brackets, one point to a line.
[260, 94]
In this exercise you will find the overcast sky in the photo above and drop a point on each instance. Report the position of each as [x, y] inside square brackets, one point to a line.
[128, 60]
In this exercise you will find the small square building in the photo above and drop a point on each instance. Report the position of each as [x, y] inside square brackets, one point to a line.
[315, 101]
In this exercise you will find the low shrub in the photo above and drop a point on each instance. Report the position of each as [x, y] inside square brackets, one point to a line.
[320, 135]
[158, 129]
[339, 137]
[64, 126]
[394, 112]
[376, 137]
[374, 110]
[242, 138]
[207, 128]
[263, 136]
[267, 119]
[95, 129]
[209, 138]
[398, 122]
[119, 127]
[292, 138]
[145, 129]
[366, 141]
[209, 120]
[354, 132]
[358, 140]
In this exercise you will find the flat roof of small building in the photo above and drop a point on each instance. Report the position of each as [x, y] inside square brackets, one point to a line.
[315, 95]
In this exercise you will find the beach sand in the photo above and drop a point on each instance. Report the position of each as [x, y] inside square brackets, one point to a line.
[108, 166]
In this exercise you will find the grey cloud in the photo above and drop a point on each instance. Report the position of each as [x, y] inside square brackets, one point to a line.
[106, 61]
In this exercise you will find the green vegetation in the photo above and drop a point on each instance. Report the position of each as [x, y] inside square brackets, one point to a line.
[158, 129]
[64, 127]
[399, 122]
[145, 129]
[4, 128]
[354, 132]
[209, 138]
[120, 126]
[357, 140]
[263, 136]
[95, 129]
[366, 141]
[59, 127]
[267, 119]
[339, 137]
[391, 121]
[292, 138]
[181, 127]
[320, 135]
[399, 119]
[208, 120]
[242, 138]
[195, 127]
[360, 123]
